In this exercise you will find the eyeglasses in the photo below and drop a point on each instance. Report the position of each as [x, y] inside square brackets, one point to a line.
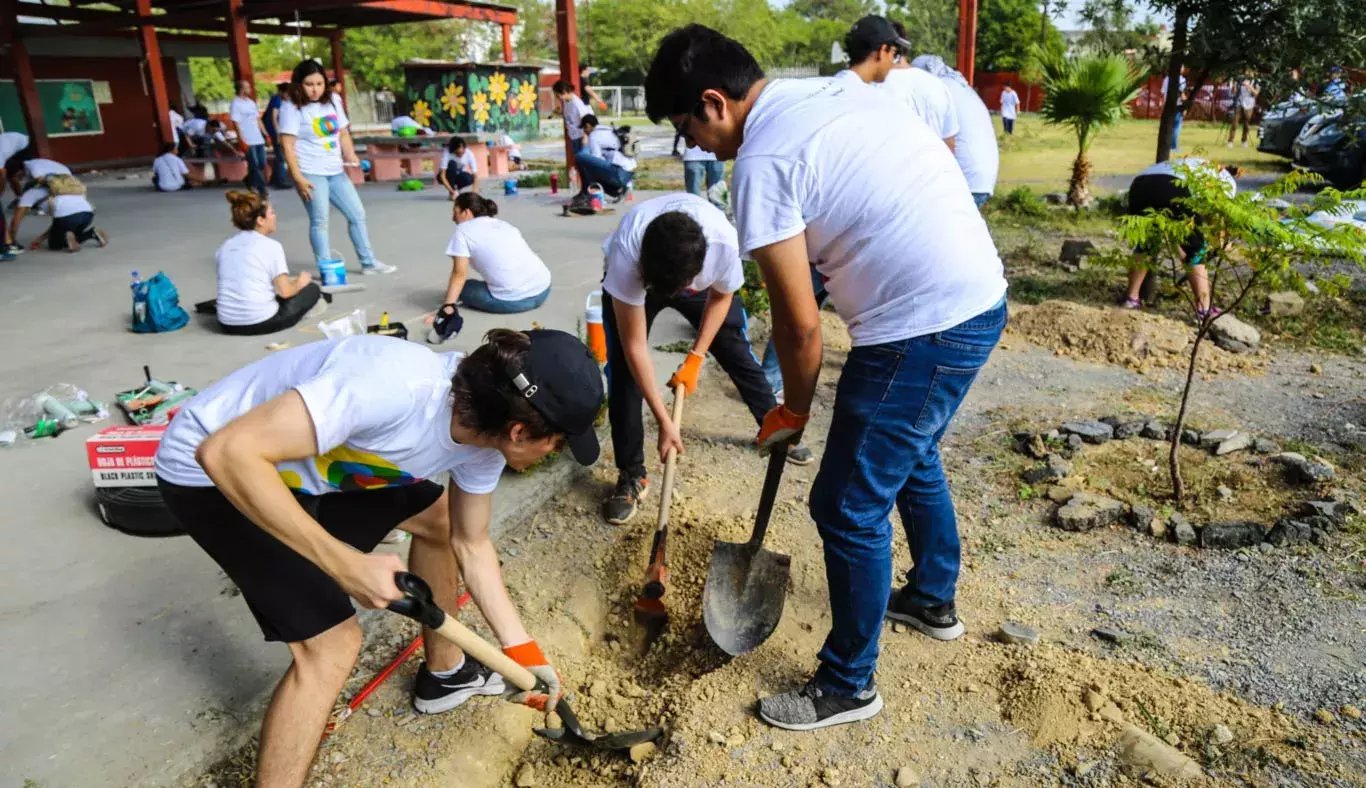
[685, 128]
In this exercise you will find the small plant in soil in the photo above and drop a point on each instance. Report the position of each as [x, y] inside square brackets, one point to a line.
[1250, 244]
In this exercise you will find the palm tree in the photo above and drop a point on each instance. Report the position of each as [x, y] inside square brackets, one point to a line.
[1087, 93]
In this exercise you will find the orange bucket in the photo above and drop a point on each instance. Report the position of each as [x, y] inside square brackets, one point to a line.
[597, 335]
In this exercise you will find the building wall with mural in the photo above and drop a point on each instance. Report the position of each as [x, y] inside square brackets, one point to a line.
[473, 98]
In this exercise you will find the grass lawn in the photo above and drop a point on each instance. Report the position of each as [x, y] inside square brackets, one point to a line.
[1040, 156]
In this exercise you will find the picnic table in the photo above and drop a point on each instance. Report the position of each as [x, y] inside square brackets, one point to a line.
[390, 155]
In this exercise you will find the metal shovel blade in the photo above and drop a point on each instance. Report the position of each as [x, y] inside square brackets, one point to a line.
[573, 732]
[742, 601]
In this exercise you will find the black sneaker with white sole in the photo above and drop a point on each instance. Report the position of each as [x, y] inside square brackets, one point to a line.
[625, 500]
[434, 695]
[939, 622]
[811, 707]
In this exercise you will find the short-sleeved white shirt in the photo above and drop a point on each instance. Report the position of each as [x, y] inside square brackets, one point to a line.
[194, 127]
[380, 407]
[886, 214]
[927, 97]
[170, 172]
[41, 168]
[721, 269]
[11, 142]
[467, 161]
[574, 110]
[317, 129]
[975, 144]
[248, 264]
[245, 114]
[60, 206]
[1010, 103]
[501, 255]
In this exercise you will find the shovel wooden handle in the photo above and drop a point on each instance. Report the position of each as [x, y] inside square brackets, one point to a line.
[657, 573]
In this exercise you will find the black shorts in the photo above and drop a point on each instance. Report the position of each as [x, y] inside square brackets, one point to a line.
[292, 599]
[1160, 193]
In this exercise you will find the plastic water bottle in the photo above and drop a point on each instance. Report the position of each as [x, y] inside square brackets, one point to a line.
[139, 300]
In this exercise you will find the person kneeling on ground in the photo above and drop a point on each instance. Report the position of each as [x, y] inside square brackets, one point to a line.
[675, 251]
[289, 471]
[515, 278]
[602, 162]
[169, 173]
[73, 217]
[1158, 188]
[458, 170]
[256, 294]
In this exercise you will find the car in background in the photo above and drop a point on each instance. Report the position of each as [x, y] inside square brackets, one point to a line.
[1333, 146]
[1351, 213]
[1281, 124]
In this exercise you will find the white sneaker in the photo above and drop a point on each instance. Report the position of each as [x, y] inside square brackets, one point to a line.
[378, 268]
[1230, 144]
[1244, 144]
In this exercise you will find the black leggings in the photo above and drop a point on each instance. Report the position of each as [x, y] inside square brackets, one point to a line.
[292, 310]
[455, 178]
[82, 224]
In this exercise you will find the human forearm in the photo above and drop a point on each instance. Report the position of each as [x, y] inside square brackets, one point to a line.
[460, 269]
[713, 316]
[643, 371]
[348, 146]
[484, 580]
[796, 319]
[799, 356]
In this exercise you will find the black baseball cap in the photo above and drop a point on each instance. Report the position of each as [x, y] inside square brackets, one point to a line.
[870, 34]
[562, 382]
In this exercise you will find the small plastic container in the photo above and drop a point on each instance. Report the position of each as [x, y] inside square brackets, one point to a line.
[510, 187]
[597, 334]
[332, 270]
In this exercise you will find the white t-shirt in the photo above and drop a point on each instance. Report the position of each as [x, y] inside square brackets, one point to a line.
[506, 141]
[721, 270]
[245, 114]
[32, 197]
[381, 409]
[1010, 103]
[59, 206]
[574, 110]
[694, 153]
[248, 263]
[467, 161]
[501, 255]
[170, 172]
[194, 127]
[975, 145]
[41, 168]
[847, 76]
[927, 97]
[317, 134]
[11, 142]
[605, 144]
[177, 120]
[1169, 166]
[886, 214]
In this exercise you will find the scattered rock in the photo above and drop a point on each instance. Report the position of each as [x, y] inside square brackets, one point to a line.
[1305, 470]
[1233, 346]
[1146, 752]
[716, 737]
[1232, 535]
[1158, 529]
[898, 627]
[1017, 634]
[1350, 712]
[907, 777]
[1055, 198]
[1111, 713]
[1172, 739]
[1128, 429]
[1055, 467]
[1183, 532]
[1287, 531]
[1059, 494]
[1190, 437]
[1093, 700]
[1265, 446]
[1336, 511]
[1213, 438]
[1032, 444]
[1156, 430]
[1086, 511]
[1227, 328]
[1237, 443]
[1285, 303]
[1073, 249]
[1324, 716]
[786, 761]
[1221, 735]
[643, 751]
[598, 689]
[526, 776]
[830, 776]
[1090, 431]
[1110, 635]
[1223, 492]
[735, 740]
[1140, 516]
[1075, 443]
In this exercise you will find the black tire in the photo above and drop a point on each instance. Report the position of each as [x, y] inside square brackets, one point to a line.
[136, 510]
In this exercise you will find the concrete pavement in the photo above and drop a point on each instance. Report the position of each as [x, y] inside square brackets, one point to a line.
[128, 661]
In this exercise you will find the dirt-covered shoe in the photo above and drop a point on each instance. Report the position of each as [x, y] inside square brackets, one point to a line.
[434, 694]
[940, 623]
[811, 707]
[798, 454]
[625, 500]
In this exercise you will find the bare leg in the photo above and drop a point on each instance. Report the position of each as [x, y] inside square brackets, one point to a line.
[302, 702]
[433, 559]
[1136, 277]
[1199, 285]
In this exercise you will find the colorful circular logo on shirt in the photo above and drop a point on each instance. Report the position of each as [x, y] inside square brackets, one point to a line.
[326, 125]
[345, 469]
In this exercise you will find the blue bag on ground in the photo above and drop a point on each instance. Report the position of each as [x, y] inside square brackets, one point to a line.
[156, 306]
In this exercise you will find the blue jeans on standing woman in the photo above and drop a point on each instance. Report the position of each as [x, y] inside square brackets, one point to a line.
[337, 190]
[256, 168]
[892, 406]
[1176, 130]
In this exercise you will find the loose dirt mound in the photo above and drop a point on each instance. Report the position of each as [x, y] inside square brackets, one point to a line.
[1142, 342]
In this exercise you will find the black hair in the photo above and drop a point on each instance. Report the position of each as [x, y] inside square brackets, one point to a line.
[587, 119]
[899, 28]
[690, 60]
[671, 252]
[213, 123]
[482, 394]
[281, 87]
[476, 204]
[455, 144]
[304, 70]
[860, 50]
[168, 147]
[562, 86]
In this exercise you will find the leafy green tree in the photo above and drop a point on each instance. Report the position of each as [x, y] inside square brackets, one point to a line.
[1008, 31]
[1087, 93]
[212, 78]
[847, 11]
[931, 26]
[1249, 245]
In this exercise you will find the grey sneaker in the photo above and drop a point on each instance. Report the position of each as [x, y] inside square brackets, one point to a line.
[940, 623]
[378, 268]
[811, 707]
[625, 500]
[798, 454]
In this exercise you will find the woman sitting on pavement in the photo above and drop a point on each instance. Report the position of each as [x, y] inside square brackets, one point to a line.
[515, 279]
[458, 170]
[73, 217]
[256, 294]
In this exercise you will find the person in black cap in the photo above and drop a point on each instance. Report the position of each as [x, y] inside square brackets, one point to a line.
[289, 471]
[873, 47]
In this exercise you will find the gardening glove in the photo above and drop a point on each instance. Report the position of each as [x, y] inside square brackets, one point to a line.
[546, 695]
[686, 374]
[447, 324]
[780, 428]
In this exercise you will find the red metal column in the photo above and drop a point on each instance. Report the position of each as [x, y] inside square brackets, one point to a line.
[967, 37]
[28, 98]
[507, 43]
[336, 44]
[156, 74]
[567, 37]
[239, 50]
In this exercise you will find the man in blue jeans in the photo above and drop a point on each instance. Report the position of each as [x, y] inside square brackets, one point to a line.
[601, 161]
[279, 173]
[251, 132]
[825, 172]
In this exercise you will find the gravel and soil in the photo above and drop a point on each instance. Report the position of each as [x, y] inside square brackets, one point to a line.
[1249, 663]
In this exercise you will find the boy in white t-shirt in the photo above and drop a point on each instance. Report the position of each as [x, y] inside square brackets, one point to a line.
[169, 172]
[677, 251]
[246, 116]
[877, 56]
[73, 217]
[572, 109]
[1010, 108]
[289, 471]
[33, 196]
[822, 173]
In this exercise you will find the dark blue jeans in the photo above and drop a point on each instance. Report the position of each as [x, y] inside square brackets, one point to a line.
[893, 404]
[279, 171]
[256, 168]
[475, 295]
[595, 169]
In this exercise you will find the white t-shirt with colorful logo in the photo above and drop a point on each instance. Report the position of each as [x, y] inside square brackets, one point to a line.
[317, 131]
[381, 410]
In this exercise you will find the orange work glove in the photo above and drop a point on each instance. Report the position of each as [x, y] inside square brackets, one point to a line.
[780, 424]
[686, 374]
[546, 694]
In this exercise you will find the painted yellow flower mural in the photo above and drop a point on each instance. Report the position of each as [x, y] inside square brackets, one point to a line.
[479, 107]
[526, 97]
[453, 100]
[422, 113]
[498, 87]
